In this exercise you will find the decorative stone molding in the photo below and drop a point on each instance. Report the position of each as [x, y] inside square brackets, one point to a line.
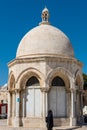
[61, 72]
[74, 89]
[17, 90]
[26, 74]
[45, 89]
[46, 57]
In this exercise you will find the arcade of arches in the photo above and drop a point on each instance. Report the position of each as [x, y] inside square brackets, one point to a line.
[34, 96]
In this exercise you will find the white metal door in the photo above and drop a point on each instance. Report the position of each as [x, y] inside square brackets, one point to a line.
[57, 101]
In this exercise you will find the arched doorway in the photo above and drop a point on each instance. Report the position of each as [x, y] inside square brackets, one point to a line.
[33, 98]
[57, 97]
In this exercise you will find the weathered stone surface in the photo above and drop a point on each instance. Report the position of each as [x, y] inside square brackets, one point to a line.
[44, 54]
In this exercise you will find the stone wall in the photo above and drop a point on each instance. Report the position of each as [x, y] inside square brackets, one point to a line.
[3, 94]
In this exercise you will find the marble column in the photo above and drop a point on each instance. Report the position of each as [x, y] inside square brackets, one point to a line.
[13, 107]
[81, 102]
[68, 103]
[81, 108]
[73, 103]
[46, 103]
[45, 106]
[13, 104]
[17, 103]
[72, 115]
[17, 114]
[9, 121]
[23, 104]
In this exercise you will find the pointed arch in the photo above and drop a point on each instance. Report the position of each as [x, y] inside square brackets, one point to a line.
[11, 81]
[27, 74]
[79, 81]
[62, 73]
[32, 81]
[57, 81]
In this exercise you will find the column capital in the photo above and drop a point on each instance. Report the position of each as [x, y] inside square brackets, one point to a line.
[45, 89]
[17, 90]
[73, 90]
[9, 91]
[81, 91]
[13, 92]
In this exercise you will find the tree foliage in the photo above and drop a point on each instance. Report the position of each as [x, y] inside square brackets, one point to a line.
[84, 77]
[85, 81]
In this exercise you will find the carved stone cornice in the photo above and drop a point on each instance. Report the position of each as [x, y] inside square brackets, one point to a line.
[46, 58]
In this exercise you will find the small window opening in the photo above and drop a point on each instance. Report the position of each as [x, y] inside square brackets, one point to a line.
[33, 81]
[57, 81]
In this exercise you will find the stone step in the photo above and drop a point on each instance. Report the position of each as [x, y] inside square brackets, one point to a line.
[22, 128]
[66, 128]
[3, 126]
[3, 122]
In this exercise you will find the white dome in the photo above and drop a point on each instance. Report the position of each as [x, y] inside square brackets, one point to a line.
[44, 40]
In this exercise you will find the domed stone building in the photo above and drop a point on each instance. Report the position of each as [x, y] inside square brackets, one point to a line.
[44, 75]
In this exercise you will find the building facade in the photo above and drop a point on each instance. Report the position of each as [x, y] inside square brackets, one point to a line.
[3, 101]
[3, 94]
[44, 75]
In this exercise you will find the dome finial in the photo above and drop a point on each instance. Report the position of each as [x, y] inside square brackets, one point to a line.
[45, 16]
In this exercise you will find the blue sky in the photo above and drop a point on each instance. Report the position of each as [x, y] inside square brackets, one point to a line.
[17, 17]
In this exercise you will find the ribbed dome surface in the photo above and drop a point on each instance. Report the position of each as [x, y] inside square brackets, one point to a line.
[44, 40]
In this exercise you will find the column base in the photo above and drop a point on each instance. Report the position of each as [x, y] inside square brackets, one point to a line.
[9, 121]
[73, 121]
[17, 122]
[34, 122]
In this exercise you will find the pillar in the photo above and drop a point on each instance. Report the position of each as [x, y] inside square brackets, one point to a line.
[72, 115]
[46, 103]
[73, 121]
[68, 103]
[81, 108]
[13, 104]
[13, 107]
[45, 106]
[17, 114]
[23, 104]
[9, 121]
[72, 104]
[81, 102]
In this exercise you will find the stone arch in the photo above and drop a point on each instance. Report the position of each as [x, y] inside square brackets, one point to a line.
[79, 81]
[28, 73]
[32, 81]
[57, 81]
[11, 81]
[62, 73]
[57, 94]
[30, 94]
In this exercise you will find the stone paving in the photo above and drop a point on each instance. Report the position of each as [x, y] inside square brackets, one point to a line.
[3, 126]
[73, 128]
[82, 128]
[21, 128]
